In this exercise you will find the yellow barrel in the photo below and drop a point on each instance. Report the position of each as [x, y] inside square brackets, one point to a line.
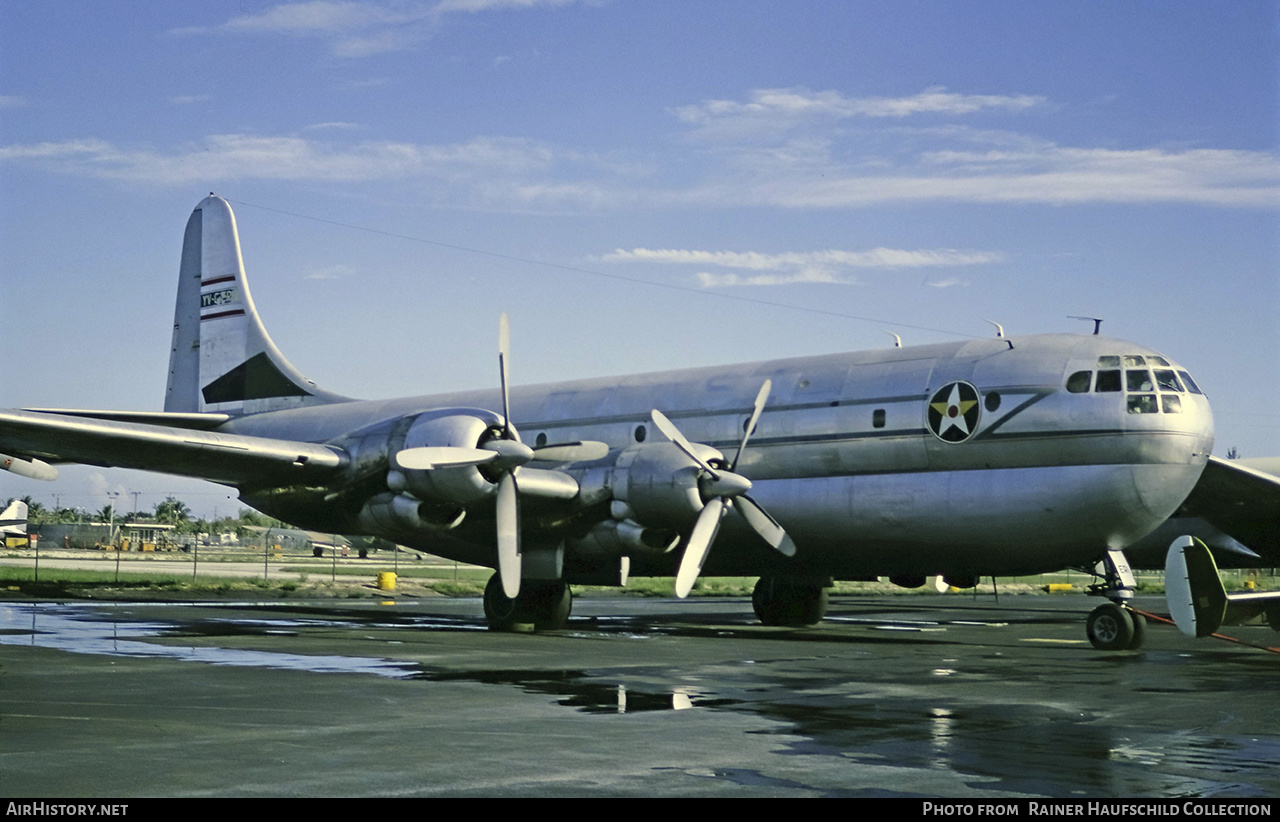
[1057, 587]
[386, 581]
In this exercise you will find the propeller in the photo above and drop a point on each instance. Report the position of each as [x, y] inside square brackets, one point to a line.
[501, 455]
[722, 490]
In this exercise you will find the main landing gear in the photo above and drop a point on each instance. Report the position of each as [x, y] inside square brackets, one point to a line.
[788, 602]
[544, 604]
[1113, 626]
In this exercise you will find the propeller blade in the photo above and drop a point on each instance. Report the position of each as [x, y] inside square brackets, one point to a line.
[756, 409]
[583, 451]
[764, 525]
[699, 543]
[504, 356]
[426, 458]
[508, 515]
[672, 433]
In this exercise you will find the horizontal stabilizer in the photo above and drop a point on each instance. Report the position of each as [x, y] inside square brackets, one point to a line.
[31, 469]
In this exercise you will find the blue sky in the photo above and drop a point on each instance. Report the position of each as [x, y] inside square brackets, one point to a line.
[612, 173]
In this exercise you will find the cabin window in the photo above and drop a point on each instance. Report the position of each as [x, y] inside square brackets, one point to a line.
[1138, 380]
[992, 401]
[1108, 381]
[640, 433]
[1189, 383]
[1142, 404]
[1166, 380]
[541, 440]
[1171, 403]
[1079, 382]
[877, 418]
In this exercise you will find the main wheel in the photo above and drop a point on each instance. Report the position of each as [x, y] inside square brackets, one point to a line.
[1110, 627]
[500, 611]
[549, 604]
[788, 603]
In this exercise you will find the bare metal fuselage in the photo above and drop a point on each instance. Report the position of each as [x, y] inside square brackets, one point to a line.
[845, 457]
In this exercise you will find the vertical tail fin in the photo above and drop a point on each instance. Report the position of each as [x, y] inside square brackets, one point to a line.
[222, 359]
[13, 522]
[1192, 588]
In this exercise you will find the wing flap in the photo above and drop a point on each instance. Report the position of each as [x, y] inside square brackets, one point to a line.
[226, 458]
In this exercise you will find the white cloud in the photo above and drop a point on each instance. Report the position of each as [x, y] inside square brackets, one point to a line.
[800, 266]
[360, 29]
[770, 112]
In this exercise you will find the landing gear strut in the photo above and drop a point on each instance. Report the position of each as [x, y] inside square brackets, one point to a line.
[543, 604]
[787, 602]
[1113, 626]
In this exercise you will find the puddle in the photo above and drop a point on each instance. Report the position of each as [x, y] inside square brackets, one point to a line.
[70, 629]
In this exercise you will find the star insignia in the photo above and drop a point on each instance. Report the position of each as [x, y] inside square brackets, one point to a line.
[954, 411]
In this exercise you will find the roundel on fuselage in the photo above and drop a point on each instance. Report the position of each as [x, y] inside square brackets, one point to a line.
[954, 411]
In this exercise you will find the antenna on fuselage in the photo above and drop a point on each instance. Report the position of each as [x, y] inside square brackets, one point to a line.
[1097, 323]
[897, 341]
[1000, 333]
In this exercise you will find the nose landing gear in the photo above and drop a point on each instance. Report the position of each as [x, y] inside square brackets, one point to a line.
[1113, 626]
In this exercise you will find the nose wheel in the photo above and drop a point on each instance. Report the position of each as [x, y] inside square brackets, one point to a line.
[1111, 627]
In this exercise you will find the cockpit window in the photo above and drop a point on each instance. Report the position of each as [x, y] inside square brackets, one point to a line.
[1138, 380]
[1189, 383]
[1158, 360]
[1142, 404]
[1078, 383]
[1166, 380]
[1108, 361]
[1171, 403]
[1108, 381]
[1134, 359]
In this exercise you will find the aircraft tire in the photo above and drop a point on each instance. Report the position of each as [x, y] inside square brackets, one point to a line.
[545, 606]
[500, 611]
[1110, 627]
[1139, 631]
[783, 603]
[549, 605]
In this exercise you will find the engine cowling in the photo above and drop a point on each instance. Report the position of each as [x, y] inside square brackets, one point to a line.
[658, 484]
[453, 428]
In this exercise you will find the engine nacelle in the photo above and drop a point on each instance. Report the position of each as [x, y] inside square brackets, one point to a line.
[656, 485]
[624, 538]
[391, 513]
[457, 428]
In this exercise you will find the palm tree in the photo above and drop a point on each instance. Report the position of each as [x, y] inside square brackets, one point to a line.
[172, 511]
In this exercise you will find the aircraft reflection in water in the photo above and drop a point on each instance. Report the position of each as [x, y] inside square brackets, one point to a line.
[999, 456]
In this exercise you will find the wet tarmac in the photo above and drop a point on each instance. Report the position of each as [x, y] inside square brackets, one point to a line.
[916, 696]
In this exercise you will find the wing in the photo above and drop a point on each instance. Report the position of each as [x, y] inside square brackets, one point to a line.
[1241, 498]
[230, 459]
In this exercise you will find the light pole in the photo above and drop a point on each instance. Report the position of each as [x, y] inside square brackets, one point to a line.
[111, 530]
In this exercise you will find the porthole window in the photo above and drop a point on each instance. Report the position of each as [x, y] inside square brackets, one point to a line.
[541, 440]
[640, 433]
[877, 418]
[992, 400]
